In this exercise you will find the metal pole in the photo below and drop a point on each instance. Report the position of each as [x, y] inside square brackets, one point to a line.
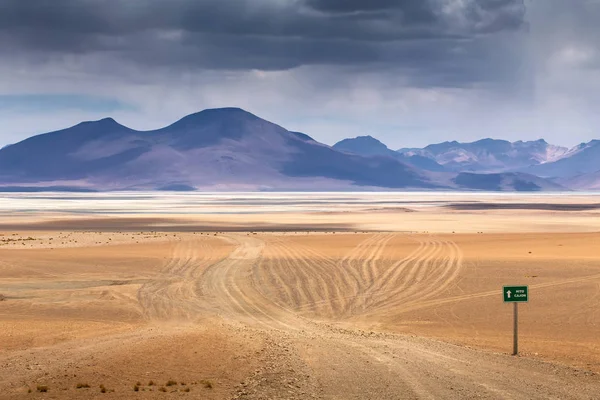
[516, 330]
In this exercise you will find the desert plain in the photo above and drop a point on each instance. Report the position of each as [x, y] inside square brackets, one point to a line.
[298, 296]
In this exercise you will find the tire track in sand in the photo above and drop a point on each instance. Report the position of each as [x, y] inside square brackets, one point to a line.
[329, 289]
[412, 367]
[389, 283]
[424, 276]
[172, 295]
[322, 273]
[230, 292]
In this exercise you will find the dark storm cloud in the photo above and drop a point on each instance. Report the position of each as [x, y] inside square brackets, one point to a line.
[264, 34]
[411, 11]
[386, 19]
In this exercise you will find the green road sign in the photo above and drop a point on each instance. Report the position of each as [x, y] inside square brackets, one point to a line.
[516, 294]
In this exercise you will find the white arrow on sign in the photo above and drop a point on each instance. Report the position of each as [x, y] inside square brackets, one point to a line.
[508, 293]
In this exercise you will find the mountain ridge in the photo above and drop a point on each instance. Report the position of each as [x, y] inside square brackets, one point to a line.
[581, 160]
[222, 149]
[489, 155]
[370, 146]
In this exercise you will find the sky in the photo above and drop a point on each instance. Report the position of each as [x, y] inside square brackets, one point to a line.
[408, 72]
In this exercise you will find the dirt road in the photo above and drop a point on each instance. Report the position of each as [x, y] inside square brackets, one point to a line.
[323, 361]
[269, 316]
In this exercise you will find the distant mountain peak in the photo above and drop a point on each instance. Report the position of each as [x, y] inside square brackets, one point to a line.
[366, 139]
[220, 112]
[102, 124]
[104, 121]
[226, 111]
[541, 141]
[491, 140]
[215, 115]
[364, 145]
[101, 127]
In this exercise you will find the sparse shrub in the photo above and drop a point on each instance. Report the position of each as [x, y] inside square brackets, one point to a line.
[82, 386]
[207, 384]
[102, 389]
[162, 389]
[42, 388]
[2, 297]
[136, 388]
[151, 383]
[171, 383]
[187, 389]
[138, 383]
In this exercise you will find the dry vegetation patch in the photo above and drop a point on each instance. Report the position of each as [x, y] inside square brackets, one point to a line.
[207, 384]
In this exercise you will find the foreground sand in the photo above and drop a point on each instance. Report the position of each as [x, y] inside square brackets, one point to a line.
[409, 313]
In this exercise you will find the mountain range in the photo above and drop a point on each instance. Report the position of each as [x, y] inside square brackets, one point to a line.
[490, 155]
[577, 168]
[231, 149]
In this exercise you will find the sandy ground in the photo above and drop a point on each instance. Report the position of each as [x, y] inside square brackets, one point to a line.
[379, 304]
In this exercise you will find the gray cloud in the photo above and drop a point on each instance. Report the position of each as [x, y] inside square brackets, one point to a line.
[265, 34]
[351, 19]
[412, 11]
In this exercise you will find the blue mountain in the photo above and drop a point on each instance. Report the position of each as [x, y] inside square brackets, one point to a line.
[489, 155]
[581, 160]
[369, 146]
[223, 149]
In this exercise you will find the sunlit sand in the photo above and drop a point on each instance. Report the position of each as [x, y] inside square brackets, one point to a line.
[352, 295]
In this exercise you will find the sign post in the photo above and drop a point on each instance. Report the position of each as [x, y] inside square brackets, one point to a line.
[516, 329]
[516, 295]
